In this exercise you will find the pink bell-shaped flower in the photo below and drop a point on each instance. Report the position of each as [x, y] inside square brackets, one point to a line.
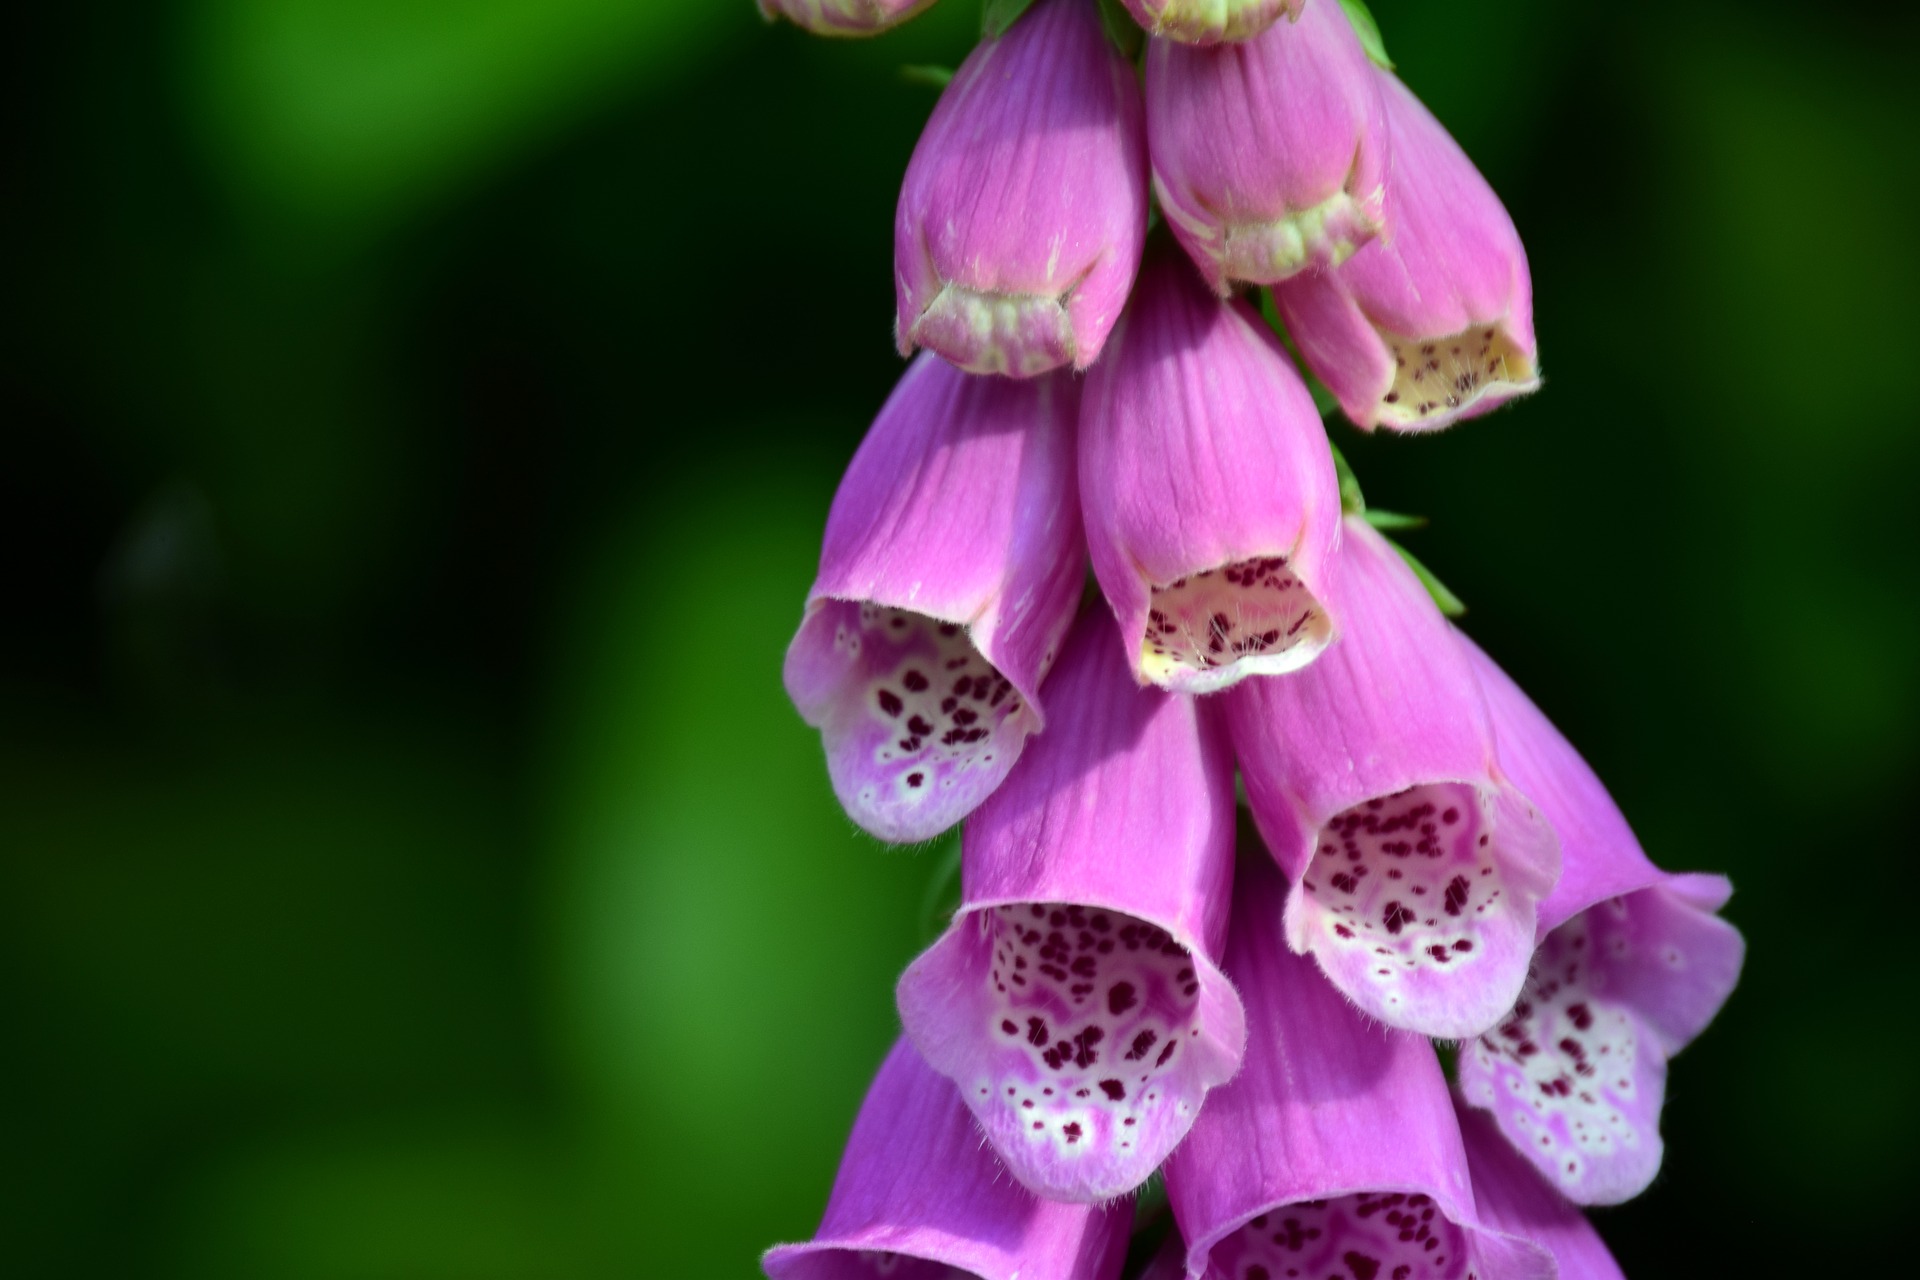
[950, 572]
[1077, 999]
[918, 1198]
[1335, 1151]
[1633, 963]
[1025, 205]
[1418, 865]
[1432, 322]
[1269, 156]
[1212, 507]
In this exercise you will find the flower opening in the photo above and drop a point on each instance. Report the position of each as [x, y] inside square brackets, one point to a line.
[926, 726]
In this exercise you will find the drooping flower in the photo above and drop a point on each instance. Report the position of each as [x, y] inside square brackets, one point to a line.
[843, 17]
[949, 575]
[1633, 964]
[1513, 1198]
[1418, 866]
[1076, 1023]
[1210, 21]
[918, 1198]
[1335, 1151]
[1269, 156]
[1025, 205]
[1211, 503]
[1432, 322]
[1075, 999]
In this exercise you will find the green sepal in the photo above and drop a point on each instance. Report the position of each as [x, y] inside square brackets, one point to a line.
[1270, 312]
[933, 77]
[1394, 521]
[1323, 397]
[1351, 503]
[1125, 33]
[1369, 32]
[998, 15]
[1450, 604]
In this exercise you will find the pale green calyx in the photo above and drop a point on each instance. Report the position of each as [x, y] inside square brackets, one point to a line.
[1368, 30]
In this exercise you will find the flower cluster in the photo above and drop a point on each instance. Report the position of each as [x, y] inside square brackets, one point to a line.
[1135, 981]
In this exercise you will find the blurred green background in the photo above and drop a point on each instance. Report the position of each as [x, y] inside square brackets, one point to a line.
[420, 419]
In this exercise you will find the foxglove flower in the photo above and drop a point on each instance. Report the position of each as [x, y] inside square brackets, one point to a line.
[1513, 1198]
[1025, 204]
[1433, 321]
[1211, 502]
[950, 573]
[1418, 867]
[1270, 156]
[918, 1198]
[843, 17]
[1335, 1152]
[1633, 965]
[1210, 21]
[1075, 999]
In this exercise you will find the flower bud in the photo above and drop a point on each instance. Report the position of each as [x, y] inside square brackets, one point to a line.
[1211, 502]
[1210, 21]
[1433, 321]
[950, 572]
[1025, 205]
[843, 17]
[1269, 156]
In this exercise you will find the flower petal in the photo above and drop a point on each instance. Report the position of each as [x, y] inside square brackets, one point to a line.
[1269, 156]
[1025, 204]
[1335, 1151]
[918, 1197]
[1075, 1000]
[1410, 901]
[1513, 1198]
[1212, 506]
[1372, 778]
[1432, 321]
[1635, 966]
[950, 572]
[1574, 1078]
